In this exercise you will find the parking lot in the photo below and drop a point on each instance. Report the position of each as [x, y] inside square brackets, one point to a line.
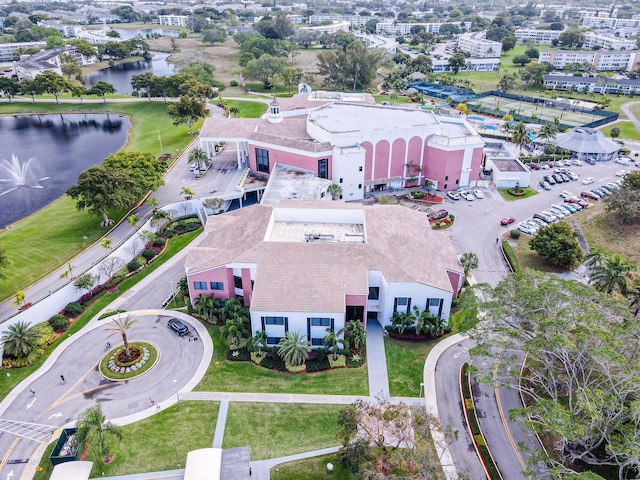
[478, 228]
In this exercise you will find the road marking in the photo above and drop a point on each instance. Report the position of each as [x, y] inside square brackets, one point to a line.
[30, 404]
[4, 460]
[10, 474]
[59, 414]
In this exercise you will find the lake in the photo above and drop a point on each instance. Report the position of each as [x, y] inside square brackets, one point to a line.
[120, 75]
[43, 155]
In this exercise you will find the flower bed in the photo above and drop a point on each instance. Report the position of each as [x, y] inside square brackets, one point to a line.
[409, 335]
[318, 360]
[427, 198]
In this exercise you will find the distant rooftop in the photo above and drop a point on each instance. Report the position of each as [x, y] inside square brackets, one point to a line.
[293, 183]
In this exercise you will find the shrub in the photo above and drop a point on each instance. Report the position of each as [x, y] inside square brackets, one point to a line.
[133, 266]
[59, 323]
[356, 360]
[159, 242]
[273, 361]
[317, 365]
[296, 368]
[20, 362]
[238, 355]
[258, 357]
[183, 225]
[108, 313]
[511, 257]
[233, 83]
[418, 194]
[515, 233]
[148, 254]
[339, 362]
[46, 335]
[73, 309]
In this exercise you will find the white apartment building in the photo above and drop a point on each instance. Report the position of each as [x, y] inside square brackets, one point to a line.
[602, 60]
[539, 37]
[592, 39]
[477, 46]
[8, 50]
[610, 23]
[330, 29]
[352, 19]
[472, 65]
[391, 28]
[173, 20]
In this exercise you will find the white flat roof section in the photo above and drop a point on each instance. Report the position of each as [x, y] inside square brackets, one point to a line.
[204, 464]
[77, 470]
[296, 184]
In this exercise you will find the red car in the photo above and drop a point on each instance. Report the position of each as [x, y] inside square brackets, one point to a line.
[579, 201]
[534, 166]
[589, 195]
[507, 221]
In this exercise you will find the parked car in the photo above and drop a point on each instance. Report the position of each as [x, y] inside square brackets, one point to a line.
[549, 179]
[572, 176]
[526, 228]
[612, 186]
[534, 166]
[478, 193]
[467, 196]
[572, 207]
[589, 195]
[538, 222]
[576, 162]
[544, 166]
[453, 195]
[507, 221]
[577, 201]
[544, 217]
[564, 209]
[565, 177]
[623, 161]
[604, 189]
[591, 161]
[551, 215]
[560, 170]
[621, 173]
[566, 194]
[545, 185]
[558, 178]
[178, 327]
[588, 181]
[598, 192]
[558, 212]
[439, 215]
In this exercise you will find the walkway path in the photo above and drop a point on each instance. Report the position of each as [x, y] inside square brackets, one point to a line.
[377, 361]
[260, 470]
[220, 424]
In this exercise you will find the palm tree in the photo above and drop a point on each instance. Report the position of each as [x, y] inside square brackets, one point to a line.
[234, 111]
[520, 135]
[595, 257]
[92, 427]
[233, 308]
[120, 326]
[107, 243]
[19, 299]
[401, 321]
[335, 191]
[611, 274]
[234, 331]
[355, 334]
[469, 261]
[548, 132]
[294, 349]
[207, 308]
[187, 193]
[198, 159]
[634, 298]
[332, 342]
[19, 340]
[153, 203]
[258, 341]
[133, 220]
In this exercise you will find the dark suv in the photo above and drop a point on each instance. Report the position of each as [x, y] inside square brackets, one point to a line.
[178, 327]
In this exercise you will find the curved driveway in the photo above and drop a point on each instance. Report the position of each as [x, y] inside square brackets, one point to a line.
[181, 365]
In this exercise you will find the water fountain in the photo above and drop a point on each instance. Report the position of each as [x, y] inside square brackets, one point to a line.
[14, 174]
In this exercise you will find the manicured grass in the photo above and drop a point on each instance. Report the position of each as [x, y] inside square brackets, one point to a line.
[528, 192]
[248, 109]
[225, 376]
[104, 363]
[48, 239]
[148, 445]
[627, 130]
[174, 245]
[405, 365]
[528, 258]
[386, 98]
[277, 429]
[314, 468]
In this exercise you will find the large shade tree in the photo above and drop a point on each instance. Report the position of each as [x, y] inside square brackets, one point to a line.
[188, 110]
[581, 370]
[51, 83]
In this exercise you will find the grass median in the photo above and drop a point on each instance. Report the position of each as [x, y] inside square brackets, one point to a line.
[225, 376]
[174, 245]
[278, 429]
[51, 237]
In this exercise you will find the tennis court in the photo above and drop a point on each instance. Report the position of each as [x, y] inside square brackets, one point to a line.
[540, 110]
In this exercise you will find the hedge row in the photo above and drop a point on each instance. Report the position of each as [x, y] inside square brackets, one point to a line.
[511, 257]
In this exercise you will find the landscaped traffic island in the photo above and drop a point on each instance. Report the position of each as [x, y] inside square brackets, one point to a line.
[116, 365]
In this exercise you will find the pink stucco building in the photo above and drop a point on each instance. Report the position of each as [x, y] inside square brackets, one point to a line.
[313, 265]
[356, 144]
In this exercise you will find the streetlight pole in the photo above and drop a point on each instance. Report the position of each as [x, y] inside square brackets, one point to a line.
[175, 449]
[421, 390]
[160, 140]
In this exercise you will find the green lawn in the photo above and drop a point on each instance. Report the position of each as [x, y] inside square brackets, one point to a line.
[48, 239]
[148, 445]
[174, 245]
[278, 429]
[225, 376]
[627, 130]
[248, 109]
[405, 365]
[314, 468]
[528, 192]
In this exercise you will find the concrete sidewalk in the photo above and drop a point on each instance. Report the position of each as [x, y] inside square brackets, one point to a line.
[377, 361]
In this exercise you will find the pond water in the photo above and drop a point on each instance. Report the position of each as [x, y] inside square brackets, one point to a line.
[120, 75]
[42, 156]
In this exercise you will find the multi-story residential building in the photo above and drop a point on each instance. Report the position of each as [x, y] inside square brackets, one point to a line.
[602, 60]
[607, 42]
[8, 50]
[471, 65]
[310, 266]
[610, 23]
[330, 28]
[477, 46]
[173, 20]
[392, 28]
[360, 146]
[622, 86]
[351, 19]
[539, 37]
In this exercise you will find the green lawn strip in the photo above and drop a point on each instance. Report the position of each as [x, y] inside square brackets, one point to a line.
[278, 429]
[51, 237]
[225, 376]
[405, 365]
[104, 363]
[314, 468]
[528, 192]
[628, 130]
[148, 445]
[174, 245]
[247, 109]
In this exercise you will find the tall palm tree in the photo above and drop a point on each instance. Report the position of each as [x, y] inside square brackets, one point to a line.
[335, 191]
[595, 257]
[634, 298]
[233, 308]
[121, 326]
[198, 158]
[234, 331]
[355, 334]
[207, 308]
[294, 349]
[469, 261]
[258, 341]
[401, 321]
[332, 342]
[548, 132]
[92, 427]
[611, 274]
[520, 136]
[19, 340]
